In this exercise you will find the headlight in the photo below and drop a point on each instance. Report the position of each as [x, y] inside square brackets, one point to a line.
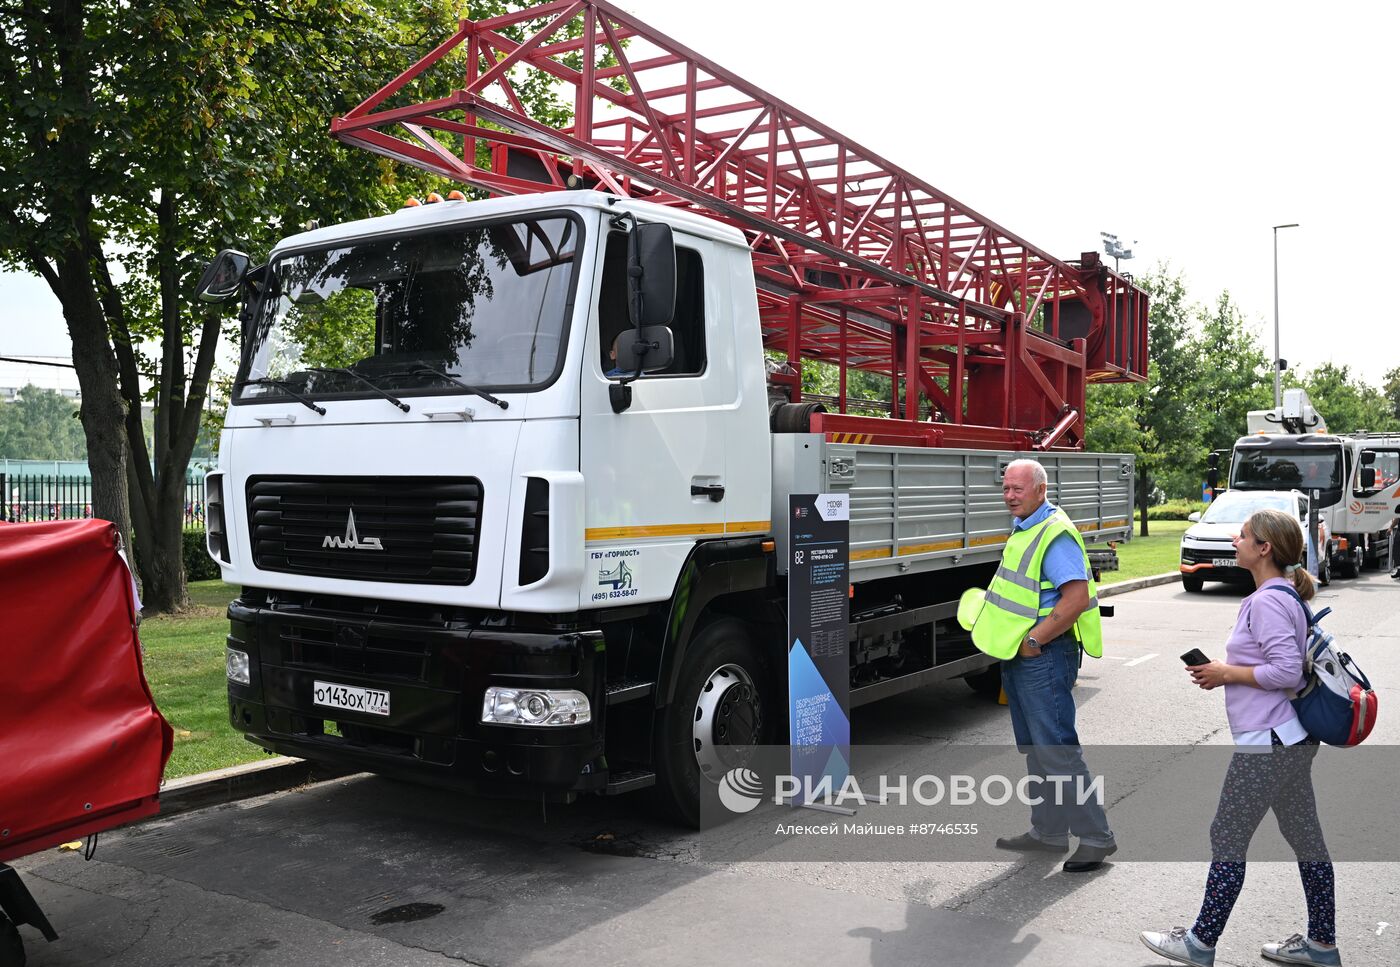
[236, 665]
[534, 706]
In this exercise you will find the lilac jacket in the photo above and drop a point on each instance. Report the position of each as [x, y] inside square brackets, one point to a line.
[1270, 634]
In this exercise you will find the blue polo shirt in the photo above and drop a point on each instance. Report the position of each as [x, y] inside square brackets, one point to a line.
[1063, 560]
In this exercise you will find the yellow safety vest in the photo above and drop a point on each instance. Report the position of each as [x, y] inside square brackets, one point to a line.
[1001, 616]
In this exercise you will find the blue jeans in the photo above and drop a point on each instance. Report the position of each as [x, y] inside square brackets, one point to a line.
[1042, 718]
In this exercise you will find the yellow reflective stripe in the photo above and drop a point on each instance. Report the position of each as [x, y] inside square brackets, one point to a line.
[984, 541]
[870, 554]
[675, 530]
[929, 548]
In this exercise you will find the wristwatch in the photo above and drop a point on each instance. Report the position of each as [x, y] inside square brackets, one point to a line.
[1033, 643]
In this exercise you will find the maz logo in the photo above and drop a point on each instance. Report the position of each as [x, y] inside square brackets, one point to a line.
[352, 539]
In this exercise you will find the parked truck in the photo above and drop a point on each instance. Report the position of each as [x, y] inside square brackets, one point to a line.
[505, 482]
[1354, 478]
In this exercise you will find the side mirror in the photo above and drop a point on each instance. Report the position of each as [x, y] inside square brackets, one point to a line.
[1212, 478]
[1367, 476]
[1194, 517]
[223, 277]
[1213, 459]
[652, 346]
[651, 276]
[1368, 457]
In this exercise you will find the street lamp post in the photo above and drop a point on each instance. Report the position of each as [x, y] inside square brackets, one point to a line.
[1278, 374]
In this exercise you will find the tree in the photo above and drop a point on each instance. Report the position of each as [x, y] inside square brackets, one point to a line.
[1152, 421]
[41, 425]
[1233, 377]
[138, 139]
[1346, 403]
[1392, 391]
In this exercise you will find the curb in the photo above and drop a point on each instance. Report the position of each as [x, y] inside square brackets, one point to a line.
[242, 782]
[1137, 584]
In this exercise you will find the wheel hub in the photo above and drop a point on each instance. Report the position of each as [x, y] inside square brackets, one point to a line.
[727, 714]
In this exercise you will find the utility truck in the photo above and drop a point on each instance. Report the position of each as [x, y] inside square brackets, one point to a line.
[505, 481]
[1354, 478]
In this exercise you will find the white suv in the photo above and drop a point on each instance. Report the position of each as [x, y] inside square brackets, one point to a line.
[1207, 551]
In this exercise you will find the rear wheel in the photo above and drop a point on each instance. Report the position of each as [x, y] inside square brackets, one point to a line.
[1324, 570]
[724, 702]
[1350, 564]
[1193, 583]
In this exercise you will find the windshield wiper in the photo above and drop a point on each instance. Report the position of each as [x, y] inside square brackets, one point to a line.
[368, 382]
[425, 368]
[285, 387]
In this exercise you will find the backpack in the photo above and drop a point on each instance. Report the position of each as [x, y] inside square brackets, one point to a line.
[1336, 704]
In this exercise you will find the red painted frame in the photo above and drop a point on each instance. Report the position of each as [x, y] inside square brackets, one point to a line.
[858, 263]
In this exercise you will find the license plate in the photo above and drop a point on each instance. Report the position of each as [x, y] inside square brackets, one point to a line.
[1224, 562]
[369, 700]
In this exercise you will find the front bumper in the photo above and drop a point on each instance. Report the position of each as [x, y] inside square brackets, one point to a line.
[1200, 561]
[436, 667]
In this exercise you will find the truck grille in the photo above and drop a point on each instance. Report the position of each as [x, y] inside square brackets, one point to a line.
[419, 530]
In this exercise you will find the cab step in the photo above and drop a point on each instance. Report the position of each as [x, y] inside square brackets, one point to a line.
[628, 690]
[629, 780]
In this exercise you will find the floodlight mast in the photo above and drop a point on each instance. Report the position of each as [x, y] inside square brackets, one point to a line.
[857, 262]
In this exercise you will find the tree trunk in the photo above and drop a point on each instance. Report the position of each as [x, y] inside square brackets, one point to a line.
[160, 548]
[103, 410]
[1144, 498]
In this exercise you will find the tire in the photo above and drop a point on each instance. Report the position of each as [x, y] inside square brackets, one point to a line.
[11, 944]
[1324, 571]
[986, 683]
[725, 696]
[1350, 565]
[1193, 583]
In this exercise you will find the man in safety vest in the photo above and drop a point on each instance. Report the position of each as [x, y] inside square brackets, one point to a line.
[1040, 610]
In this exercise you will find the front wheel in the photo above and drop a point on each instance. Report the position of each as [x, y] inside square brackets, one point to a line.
[724, 701]
[1193, 583]
[1324, 570]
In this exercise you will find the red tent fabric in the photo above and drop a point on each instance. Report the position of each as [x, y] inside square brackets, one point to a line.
[82, 745]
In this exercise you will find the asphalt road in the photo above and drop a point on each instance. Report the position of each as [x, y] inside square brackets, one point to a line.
[368, 871]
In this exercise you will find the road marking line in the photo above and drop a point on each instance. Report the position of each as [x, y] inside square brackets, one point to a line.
[1139, 661]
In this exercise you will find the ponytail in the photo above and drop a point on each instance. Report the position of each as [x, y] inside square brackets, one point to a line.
[1286, 538]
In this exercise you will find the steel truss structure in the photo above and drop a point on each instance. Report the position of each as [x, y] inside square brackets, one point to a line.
[988, 341]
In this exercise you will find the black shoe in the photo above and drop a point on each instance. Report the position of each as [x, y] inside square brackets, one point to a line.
[1026, 843]
[1086, 859]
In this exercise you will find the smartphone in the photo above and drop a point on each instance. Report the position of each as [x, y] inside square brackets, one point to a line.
[1194, 657]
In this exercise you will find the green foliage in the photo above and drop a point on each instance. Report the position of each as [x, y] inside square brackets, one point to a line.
[1146, 556]
[1348, 404]
[1176, 510]
[1391, 389]
[1233, 378]
[41, 425]
[199, 566]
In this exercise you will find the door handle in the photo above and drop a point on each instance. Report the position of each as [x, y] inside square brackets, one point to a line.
[714, 491]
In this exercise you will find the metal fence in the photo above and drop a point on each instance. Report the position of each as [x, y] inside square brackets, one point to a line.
[32, 497]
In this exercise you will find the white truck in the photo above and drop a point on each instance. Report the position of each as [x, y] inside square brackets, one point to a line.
[1353, 478]
[474, 549]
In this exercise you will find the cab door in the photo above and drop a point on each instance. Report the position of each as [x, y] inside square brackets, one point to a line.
[655, 474]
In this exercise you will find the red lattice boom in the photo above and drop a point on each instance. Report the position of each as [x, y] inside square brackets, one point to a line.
[858, 263]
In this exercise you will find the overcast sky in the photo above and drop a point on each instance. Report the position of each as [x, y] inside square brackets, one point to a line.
[1189, 127]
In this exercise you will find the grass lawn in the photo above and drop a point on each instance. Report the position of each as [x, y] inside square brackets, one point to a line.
[1158, 553]
[185, 667]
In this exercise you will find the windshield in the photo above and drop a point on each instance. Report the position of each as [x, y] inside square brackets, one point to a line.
[486, 304]
[1235, 508]
[1275, 468]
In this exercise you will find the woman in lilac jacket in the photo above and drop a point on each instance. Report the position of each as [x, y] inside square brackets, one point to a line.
[1273, 767]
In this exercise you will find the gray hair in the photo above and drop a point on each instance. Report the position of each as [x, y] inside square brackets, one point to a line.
[1037, 471]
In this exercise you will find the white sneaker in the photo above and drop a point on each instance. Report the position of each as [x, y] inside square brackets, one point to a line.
[1297, 950]
[1181, 946]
